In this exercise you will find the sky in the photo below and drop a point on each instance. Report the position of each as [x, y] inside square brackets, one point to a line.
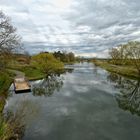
[86, 27]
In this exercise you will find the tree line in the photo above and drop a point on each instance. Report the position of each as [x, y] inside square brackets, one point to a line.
[66, 57]
[126, 54]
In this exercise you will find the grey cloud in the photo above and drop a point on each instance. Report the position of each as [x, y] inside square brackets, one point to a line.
[88, 26]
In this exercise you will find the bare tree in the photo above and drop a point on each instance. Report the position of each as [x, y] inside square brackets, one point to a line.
[9, 40]
[127, 54]
[133, 54]
[114, 54]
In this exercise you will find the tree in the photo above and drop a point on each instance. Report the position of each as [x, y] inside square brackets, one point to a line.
[9, 40]
[64, 56]
[133, 53]
[47, 63]
[71, 57]
[127, 54]
[114, 54]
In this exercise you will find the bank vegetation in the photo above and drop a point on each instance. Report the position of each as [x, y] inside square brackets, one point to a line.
[124, 59]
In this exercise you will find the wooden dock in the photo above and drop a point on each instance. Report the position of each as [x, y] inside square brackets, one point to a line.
[21, 85]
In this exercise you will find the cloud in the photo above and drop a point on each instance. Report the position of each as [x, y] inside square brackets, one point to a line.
[86, 27]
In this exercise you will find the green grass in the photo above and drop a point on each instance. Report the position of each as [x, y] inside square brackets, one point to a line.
[33, 73]
[30, 72]
[125, 70]
[11, 126]
[3, 126]
[2, 103]
[5, 81]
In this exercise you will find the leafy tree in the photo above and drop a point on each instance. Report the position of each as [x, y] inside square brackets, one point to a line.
[64, 56]
[47, 63]
[71, 57]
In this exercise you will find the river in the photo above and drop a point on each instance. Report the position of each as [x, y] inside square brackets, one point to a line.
[86, 103]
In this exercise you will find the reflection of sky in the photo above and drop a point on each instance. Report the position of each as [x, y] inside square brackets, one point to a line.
[84, 78]
[85, 104]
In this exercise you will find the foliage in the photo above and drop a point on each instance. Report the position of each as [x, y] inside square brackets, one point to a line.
[129, 71]
[13, 121]
[5, 81]
[32, 73]
[11, 127]
[126, 54]
[64, 56]
[47, 63]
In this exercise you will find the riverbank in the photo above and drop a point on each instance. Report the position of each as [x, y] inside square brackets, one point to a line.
[7, 77]
[30, 72]
[125, 70]
[12, 128]
[5, 81]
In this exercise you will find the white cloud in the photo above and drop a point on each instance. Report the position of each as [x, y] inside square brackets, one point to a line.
[87, 27]
[87, 54]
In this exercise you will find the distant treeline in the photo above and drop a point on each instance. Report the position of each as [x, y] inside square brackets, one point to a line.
[66, 57]
[125, 55]
[63, 56]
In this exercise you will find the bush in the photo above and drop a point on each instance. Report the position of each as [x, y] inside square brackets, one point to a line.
[47, 63]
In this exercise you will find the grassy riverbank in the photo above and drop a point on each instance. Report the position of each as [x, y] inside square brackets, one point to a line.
[5, 81]
[7, 76]
[125, 70]
[12, 127]
[33, 67]
[30, 72]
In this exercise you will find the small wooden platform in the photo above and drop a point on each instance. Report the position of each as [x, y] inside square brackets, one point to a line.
[21, 85]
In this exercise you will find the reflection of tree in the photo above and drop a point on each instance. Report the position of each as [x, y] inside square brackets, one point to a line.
[47, 86]
[129, 96]
[69, 70]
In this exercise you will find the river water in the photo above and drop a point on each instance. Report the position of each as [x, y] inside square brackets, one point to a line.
[86, 103]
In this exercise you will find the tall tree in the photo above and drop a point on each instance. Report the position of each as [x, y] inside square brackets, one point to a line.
[9, 40]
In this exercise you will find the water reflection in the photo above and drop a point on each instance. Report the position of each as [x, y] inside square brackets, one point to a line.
[48, 85]
[129, 96]
[84, 104]
[69, 69]
[16, 120]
